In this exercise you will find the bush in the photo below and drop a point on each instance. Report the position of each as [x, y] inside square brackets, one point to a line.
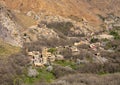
[60, 71]
[84, 46]
[52, 50]
[94, 40]
[63, 27]
[89, 79]
[66, 53]
[112, 66]
[43, 76]
[115, 34]
[11, 68]
[53, 42]
[113, 44]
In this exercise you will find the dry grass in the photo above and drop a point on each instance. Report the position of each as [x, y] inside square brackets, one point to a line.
[24, 20]
[6, 49]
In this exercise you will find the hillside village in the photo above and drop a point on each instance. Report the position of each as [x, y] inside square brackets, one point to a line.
[51, 48]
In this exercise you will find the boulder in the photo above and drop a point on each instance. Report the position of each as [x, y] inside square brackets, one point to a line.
[59, 57]
[32, 72]
[105, 36]
[78, 61]
[49, 68]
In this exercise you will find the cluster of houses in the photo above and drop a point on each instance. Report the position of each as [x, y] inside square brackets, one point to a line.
[46, 58]
[43, 58]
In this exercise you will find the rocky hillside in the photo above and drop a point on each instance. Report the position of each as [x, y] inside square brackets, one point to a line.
[9, 29]
[88, 9]
[17, 27]
[73, 18]
[59, 42]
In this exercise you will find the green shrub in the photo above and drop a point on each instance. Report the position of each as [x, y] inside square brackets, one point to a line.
[52, 50]
[44, 76]
[18, 81]
[94, 40]
[117, 37]
[104, 40]
[67, 63]
[115, 34]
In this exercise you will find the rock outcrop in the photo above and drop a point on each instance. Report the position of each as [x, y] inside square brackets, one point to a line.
[9, 29]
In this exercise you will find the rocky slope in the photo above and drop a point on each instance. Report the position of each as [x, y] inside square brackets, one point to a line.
[89, 9]
[74, 17]
[17, 27]
[9, 29]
